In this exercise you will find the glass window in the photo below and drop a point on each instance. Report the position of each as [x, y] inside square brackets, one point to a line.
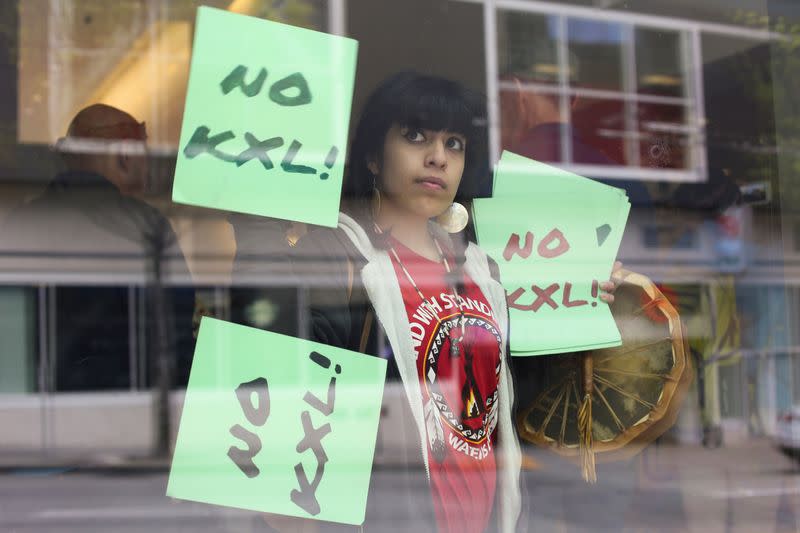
[599, 134]
[133, 55]
[19, 357]
[184, 309]
[691, 107]
[660, 63]
[528, 46]
[92, 338]
[595, 95]
[664, 138]
[595, 51]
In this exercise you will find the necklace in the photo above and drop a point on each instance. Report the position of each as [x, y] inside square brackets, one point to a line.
[455, 343]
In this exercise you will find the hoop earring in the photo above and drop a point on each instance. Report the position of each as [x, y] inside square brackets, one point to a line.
[454, 219]
[376, 200]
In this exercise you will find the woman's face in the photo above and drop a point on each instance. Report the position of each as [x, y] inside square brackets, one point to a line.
[420, 170]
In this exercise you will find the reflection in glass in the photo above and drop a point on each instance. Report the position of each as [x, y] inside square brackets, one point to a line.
[600, 129]
[663, 136]
[18, 331]
[596, 48]
[527, 44]
[92, 338]
[659, 66]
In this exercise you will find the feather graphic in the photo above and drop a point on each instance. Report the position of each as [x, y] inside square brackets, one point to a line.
[492, 419]
[433, 426]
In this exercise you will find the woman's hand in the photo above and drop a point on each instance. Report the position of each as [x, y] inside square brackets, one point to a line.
[608, 287]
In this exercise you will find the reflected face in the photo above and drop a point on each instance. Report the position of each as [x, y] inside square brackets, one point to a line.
[420, 170]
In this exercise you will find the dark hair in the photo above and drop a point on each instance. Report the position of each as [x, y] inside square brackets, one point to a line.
[414, 100]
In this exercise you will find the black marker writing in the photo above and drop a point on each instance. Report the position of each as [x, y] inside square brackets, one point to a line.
[287, 164]
[201, 143]
[236, 79]
[329, 161]
[277, 93]
[258, 150]
[305, 496]
[257, 415]
[280, 92]
[244, 458]
[327, 407]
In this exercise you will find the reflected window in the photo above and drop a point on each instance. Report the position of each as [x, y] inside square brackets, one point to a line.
[179, 308]
[597, 50]
[602, 98]
[92, 338]
[660, 67]
[670, 236]
[19, 362]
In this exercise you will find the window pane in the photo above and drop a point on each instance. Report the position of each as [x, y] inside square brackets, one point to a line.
[19, 360]
[595, 51]
[529, 78]
[659, 66]
[92, 338]
[180, 307]
[177, 343]
[599, 132]
[526, 43]
[664, 136]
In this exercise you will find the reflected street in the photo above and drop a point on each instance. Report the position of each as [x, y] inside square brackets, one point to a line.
[750, 487]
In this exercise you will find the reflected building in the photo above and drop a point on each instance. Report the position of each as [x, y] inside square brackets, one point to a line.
[683, 105]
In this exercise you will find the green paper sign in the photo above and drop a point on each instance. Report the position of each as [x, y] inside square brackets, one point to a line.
[277, 424]
[555, 236]
[266, 119]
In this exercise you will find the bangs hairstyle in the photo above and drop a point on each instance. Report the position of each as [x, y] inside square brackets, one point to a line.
[416, 101]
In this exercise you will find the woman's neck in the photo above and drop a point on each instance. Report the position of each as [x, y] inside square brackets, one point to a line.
[411, 231]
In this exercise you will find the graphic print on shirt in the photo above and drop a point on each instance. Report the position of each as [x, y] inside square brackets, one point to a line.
[460, 385]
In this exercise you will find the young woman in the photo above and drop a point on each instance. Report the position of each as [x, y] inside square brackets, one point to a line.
[390, 281]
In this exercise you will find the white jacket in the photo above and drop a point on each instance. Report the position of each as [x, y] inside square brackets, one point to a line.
[384, 293]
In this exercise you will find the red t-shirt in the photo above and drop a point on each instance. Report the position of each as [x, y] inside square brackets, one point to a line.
[459, 394]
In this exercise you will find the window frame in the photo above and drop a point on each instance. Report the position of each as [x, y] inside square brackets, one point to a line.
[694, 102]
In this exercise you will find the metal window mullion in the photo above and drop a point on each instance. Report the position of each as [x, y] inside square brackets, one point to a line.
[133, 340]
[492, 86]
[794, 312]
[692, 56]
[222, 303]
[303, 312]
[44, 366]
[54, 48]
[337, 21]
[597, 93]
[790, 294]
[629, 86]
[52, 339]
[142, 335]
[153, 11]
[639, 19]
[43, 340]
[562, 57]
[624, 172]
